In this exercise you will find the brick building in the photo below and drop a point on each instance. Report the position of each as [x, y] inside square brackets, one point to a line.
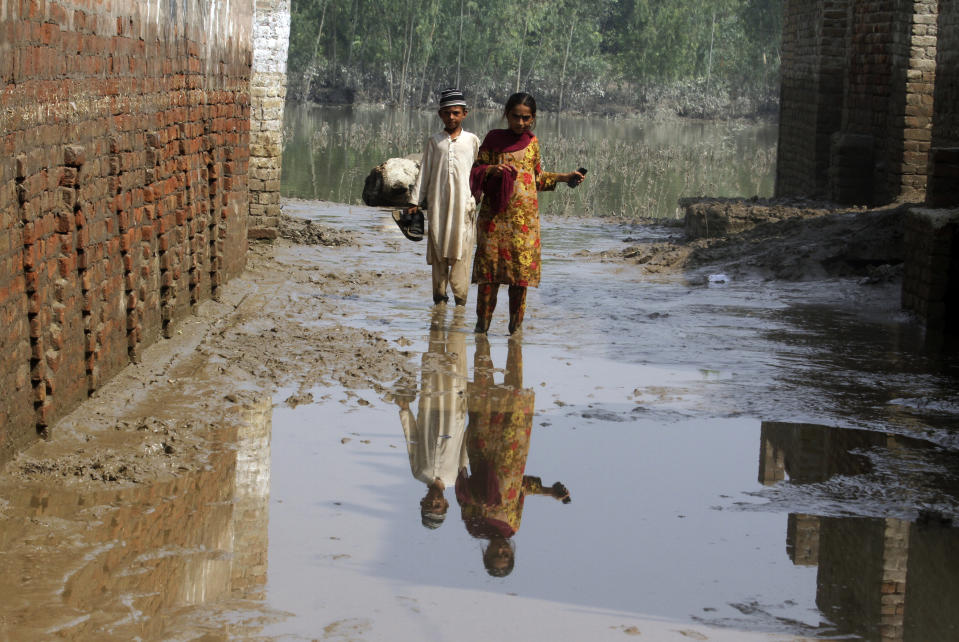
[125, 132]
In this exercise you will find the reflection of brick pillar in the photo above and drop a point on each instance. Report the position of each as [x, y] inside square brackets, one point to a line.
[251, 507]
[802, 539]
[268, 87]
[895, 560]
[772, 461]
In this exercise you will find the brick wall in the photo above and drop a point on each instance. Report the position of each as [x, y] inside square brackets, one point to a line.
[124, 147]
[813, 72]
[857, 99]
[888, 99]
[268, 86]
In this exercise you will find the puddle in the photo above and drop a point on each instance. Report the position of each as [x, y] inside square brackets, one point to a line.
[744, 462]
[148, 557]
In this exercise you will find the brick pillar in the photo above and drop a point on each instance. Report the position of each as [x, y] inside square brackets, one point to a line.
[887, 104]
[920, 85]
[271, 38]
[813, 73]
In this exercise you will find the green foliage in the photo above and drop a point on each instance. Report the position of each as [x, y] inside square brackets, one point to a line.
[571, 54]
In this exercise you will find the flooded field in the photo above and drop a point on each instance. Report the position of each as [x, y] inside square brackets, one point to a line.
[638, 167]
[748, 460]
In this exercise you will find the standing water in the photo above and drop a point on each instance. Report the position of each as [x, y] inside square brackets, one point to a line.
[748, 460]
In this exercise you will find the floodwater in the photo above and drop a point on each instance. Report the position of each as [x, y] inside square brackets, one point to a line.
[752, 460]
[638, 167]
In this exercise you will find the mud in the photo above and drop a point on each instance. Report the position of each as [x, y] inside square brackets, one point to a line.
[779, 241]
[246, 479]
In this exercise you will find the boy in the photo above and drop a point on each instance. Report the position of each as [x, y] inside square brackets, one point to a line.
[443, 190]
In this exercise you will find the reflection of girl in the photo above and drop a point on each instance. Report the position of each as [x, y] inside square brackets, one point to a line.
[507, 171]
[492, 493]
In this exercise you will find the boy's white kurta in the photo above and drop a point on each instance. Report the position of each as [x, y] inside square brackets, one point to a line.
[443, 190]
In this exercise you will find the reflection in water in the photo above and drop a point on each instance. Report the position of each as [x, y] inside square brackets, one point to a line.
[142, 561]
[880, 578]
[492, 492]
[434, 437]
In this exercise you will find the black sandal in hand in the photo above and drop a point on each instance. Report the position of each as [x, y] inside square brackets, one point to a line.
[411, 225]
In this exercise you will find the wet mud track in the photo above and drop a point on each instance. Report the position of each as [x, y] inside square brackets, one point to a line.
[748, 460]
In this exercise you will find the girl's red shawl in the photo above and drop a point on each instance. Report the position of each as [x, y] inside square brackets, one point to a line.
[498, 189]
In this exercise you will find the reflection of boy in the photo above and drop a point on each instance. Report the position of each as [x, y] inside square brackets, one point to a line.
[442, 188]
[434, 437]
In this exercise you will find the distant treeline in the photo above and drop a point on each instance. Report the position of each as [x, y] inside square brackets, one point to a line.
[599, 55]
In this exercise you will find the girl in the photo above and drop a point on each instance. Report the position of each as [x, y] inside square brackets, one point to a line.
[507, 172]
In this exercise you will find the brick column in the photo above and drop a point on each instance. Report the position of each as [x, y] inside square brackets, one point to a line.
[813, 73]
[880, 156]
[251, 501]
[271, 36]
[920, 84]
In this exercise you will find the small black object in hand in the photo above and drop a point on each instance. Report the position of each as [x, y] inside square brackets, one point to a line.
[576, 180]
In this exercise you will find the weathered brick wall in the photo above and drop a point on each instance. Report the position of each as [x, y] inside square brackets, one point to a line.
[123, 186]
[889, 97]
[271, 42]
[813, 70]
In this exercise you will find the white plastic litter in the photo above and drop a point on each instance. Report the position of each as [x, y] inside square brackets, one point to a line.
[718, 278]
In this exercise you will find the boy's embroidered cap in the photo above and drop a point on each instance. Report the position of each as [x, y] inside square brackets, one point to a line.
[451, 98]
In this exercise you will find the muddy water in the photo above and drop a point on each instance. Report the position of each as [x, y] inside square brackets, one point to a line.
[749, 460]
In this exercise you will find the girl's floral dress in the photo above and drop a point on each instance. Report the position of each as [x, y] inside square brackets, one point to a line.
[508, 243]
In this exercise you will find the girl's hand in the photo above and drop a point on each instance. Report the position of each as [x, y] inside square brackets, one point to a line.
[565, 178]
[496, 170]
[559, 491]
